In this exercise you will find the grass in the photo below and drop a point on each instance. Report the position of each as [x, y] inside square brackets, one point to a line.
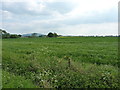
[64, 62]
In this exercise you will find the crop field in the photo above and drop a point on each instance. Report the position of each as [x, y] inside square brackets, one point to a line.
[62, 62]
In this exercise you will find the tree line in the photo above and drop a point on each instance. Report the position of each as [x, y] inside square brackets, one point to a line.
[5, 34]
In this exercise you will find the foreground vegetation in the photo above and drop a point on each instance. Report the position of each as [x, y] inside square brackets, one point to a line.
[63, 62]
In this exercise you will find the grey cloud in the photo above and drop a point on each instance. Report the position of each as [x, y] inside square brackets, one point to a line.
[21, 8]
[50, 8]
[61, 7]
[95, 17]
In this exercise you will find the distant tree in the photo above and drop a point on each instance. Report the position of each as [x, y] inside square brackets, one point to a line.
[55, 35]
[19, 35]
[14, 36]
[6, 35]
[3, 31]
[42, 35]
[50, 34]
[34, 34]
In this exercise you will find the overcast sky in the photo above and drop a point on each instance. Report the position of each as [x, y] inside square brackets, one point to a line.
[65, 17]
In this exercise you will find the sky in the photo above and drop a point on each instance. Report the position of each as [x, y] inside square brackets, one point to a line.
[65, 17]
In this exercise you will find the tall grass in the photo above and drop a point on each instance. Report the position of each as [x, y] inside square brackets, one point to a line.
[71, 62]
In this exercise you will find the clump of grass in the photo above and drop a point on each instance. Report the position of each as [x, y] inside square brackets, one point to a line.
[9, 80]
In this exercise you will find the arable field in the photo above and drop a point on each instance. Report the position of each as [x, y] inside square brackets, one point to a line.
[63, 62]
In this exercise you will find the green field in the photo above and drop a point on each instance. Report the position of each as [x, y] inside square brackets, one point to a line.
[63, 62]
